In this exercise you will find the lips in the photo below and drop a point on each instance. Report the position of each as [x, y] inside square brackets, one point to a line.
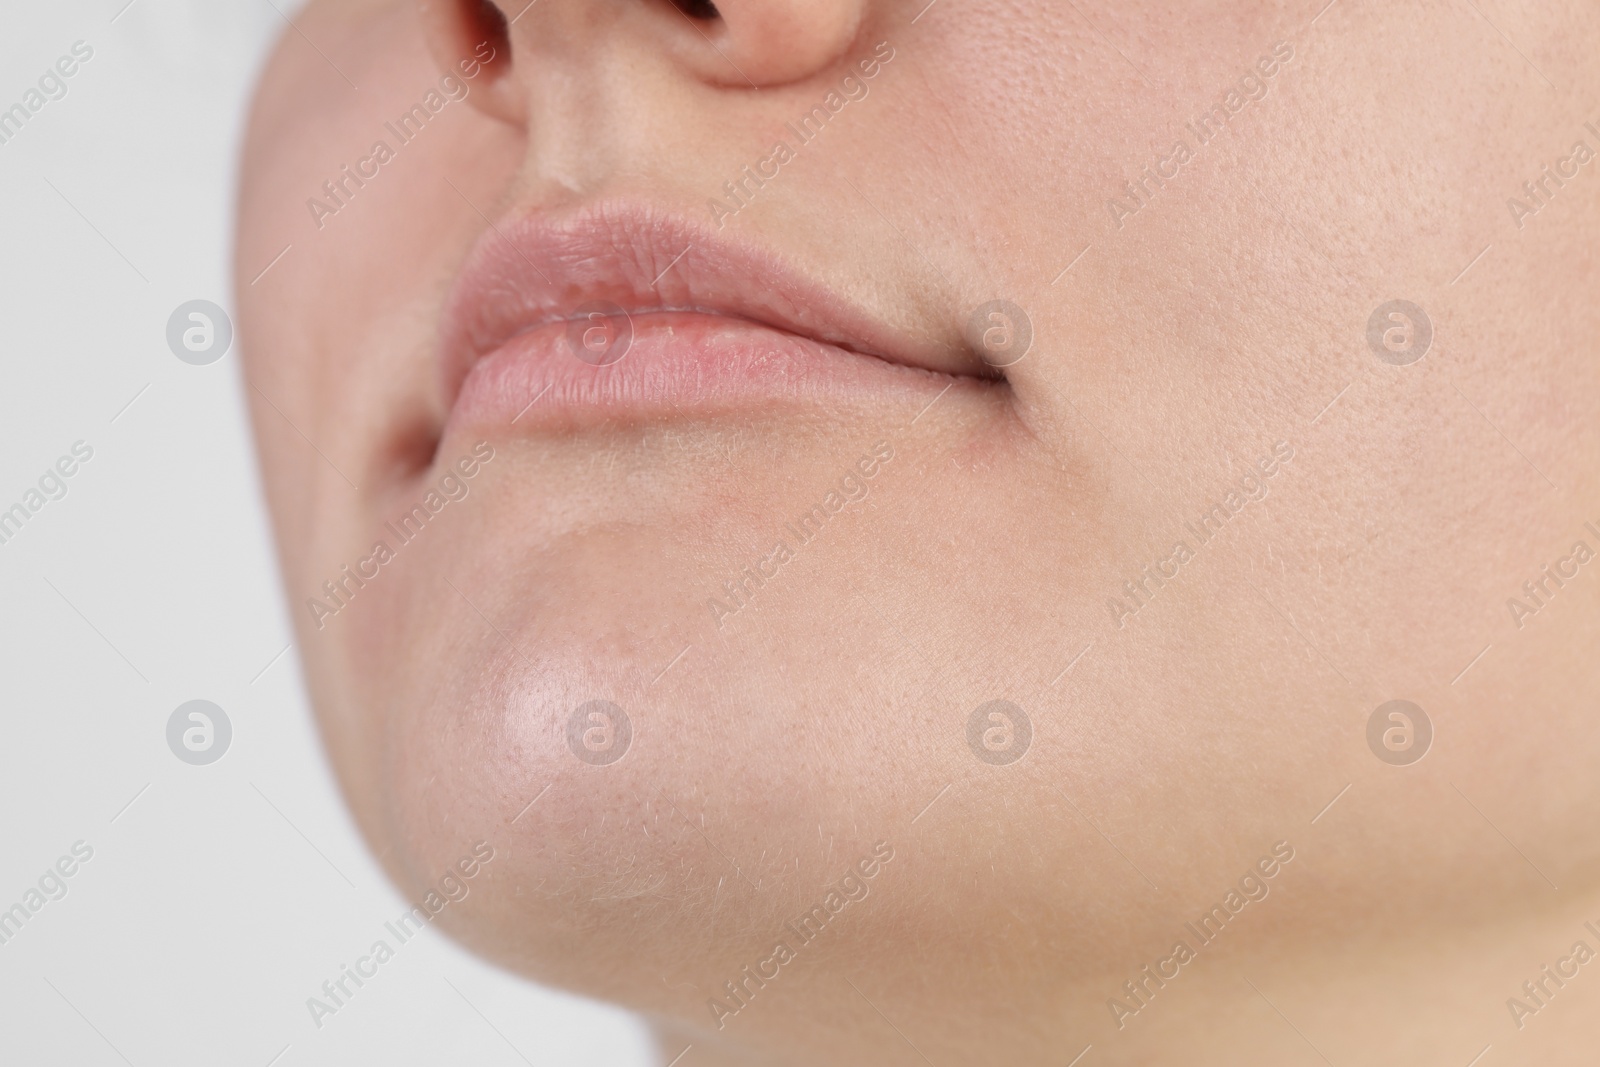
[618, 312]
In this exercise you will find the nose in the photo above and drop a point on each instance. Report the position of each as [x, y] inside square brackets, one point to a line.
[737, 44]
[773, 42]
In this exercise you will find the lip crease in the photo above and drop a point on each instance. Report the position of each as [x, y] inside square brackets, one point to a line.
[716, 325]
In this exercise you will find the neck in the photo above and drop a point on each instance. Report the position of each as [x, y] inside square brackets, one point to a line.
[1524, 979]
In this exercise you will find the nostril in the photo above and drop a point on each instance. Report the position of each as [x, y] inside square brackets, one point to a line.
[697, 9]
[487, 23]
[471, 39]
[763, 43]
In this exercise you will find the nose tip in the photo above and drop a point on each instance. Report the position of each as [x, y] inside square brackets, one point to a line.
[774, 42]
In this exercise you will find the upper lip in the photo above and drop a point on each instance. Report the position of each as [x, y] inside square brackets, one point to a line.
[533, 270]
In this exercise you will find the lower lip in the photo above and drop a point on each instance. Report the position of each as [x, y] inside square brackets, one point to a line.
[677, 365]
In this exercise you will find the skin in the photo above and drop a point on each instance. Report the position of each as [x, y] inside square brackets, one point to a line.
[1227, 314]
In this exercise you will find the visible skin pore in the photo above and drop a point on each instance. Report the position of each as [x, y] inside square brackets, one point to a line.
[772, 752]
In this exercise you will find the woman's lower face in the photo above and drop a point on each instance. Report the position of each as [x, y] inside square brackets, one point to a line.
[955, 533]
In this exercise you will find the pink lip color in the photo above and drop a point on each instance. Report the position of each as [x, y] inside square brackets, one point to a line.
[715, 326]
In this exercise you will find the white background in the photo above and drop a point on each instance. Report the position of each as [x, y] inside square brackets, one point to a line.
[222, 897]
